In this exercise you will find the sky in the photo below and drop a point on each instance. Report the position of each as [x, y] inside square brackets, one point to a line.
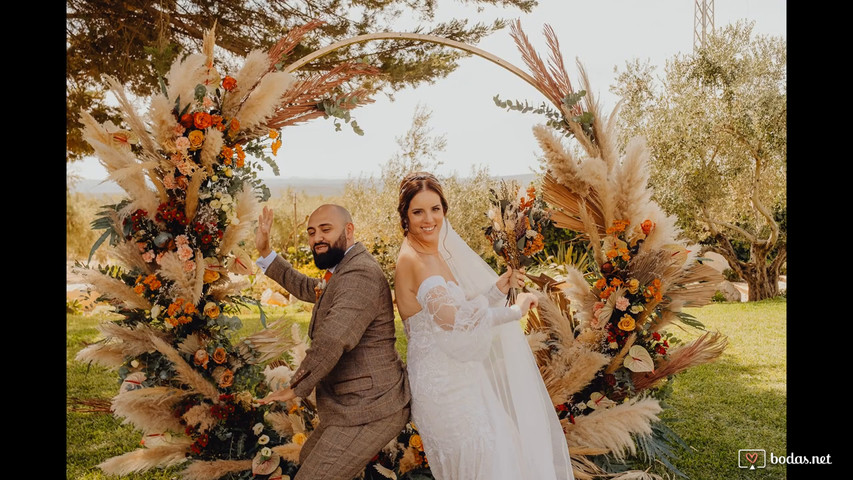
[603, 35]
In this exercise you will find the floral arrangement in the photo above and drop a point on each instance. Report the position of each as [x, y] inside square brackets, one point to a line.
[599, 335]
[515, 228]
[178, 264]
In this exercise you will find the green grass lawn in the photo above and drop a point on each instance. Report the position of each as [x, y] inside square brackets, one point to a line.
[738, 402]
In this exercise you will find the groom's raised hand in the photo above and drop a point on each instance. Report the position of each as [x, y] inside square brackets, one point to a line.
[278, 396]
[262, 233]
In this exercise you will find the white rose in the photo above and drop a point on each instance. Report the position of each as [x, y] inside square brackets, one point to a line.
[637, 309]
[215, 204]
[226, 199]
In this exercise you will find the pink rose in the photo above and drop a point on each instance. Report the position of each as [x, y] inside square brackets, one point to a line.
[185, 253]
[182, 143]
[169, 181]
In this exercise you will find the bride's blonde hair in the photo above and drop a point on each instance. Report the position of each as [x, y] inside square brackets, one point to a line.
[411, 185]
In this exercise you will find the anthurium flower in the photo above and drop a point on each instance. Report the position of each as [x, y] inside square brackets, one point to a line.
[639, 360]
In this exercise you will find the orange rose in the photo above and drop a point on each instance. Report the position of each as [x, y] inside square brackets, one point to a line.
[415, 441]
[627, 323]
[219, 355]
[196, 138]
[647, 226]
[229, 83]
[201, 358]
[216, 120]
[211, 276]
[226, 378]
[235, 125]
[202, 120]
[211, 310]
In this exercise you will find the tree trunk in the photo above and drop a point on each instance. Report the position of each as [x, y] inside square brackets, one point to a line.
[761, 278]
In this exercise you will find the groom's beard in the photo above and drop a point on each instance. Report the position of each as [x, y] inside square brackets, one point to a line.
[333, 254]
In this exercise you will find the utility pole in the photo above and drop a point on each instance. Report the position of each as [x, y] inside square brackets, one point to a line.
[703, 22]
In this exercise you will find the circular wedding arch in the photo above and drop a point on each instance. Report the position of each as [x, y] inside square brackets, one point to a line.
[421, 38]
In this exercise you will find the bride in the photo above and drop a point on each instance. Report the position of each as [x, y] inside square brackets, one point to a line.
[478, 399]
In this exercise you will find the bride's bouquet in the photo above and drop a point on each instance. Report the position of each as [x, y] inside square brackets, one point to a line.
[515, 228]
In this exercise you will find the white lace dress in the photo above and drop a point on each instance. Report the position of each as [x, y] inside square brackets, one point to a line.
[466, 431]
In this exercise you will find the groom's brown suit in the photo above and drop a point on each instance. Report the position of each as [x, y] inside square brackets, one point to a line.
[361, 383]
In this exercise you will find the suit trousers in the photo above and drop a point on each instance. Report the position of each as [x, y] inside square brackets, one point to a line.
[337, 452]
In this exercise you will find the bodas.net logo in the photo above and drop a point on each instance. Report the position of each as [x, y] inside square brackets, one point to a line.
[752, 458]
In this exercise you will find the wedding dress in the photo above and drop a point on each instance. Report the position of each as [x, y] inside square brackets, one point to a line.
[478, 399]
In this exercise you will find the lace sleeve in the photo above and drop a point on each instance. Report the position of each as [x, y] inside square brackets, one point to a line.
[463, 328]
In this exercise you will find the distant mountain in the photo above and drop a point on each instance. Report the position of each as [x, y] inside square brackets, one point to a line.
[277, 186]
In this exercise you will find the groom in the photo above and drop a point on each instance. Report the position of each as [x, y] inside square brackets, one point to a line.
[362, 388]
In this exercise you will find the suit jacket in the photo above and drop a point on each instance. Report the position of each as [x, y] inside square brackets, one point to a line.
[352, 360]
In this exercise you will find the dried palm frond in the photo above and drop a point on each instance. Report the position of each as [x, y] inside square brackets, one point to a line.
[578, 212]
[213, 469]
[300, 104]
[612, 428]
[110, 287]
[695, 286]
[149, 409]
[704, 349]
[190, 344]
[144, 459]
[185, 372]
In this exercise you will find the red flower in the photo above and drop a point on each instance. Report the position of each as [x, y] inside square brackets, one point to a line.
[661, 350]
[206, 238]
[228, 83]
[656, 335]
[186, 120]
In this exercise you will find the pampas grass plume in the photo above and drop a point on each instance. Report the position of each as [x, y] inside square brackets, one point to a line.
[612, 428]
[144, 459]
